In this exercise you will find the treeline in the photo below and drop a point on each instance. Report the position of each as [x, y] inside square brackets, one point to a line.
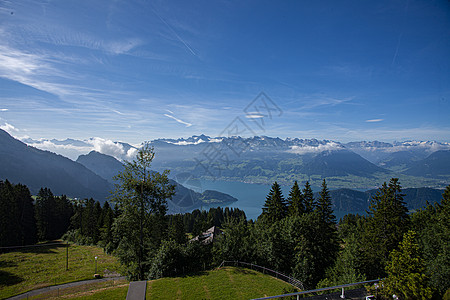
[91, 224]
[198, 221]
[297, 235]
[24, 221]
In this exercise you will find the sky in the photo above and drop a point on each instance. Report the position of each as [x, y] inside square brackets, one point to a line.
[140, 70]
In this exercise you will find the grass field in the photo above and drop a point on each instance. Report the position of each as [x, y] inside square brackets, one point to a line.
[37, 267]
[226, 283]
[32, 268]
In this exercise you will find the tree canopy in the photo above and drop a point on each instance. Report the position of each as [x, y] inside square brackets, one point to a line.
[141, 195]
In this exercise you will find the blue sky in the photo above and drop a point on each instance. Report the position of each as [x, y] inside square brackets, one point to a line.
[139, 70]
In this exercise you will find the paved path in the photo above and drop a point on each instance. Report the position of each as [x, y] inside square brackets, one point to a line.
[62, 286]
[137, 290]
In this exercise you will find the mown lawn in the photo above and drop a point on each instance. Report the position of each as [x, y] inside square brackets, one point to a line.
[31, 268]
[226, 283]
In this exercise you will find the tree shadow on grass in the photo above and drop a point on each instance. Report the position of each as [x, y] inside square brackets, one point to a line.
[7, 264]
[49, 247]
[7, 278]
[245, 271]
[192, 274]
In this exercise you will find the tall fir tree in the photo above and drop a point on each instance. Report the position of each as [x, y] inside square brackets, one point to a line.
[308, 198]
[406, 271]
[327, 236]
[45, 204]
[324, 206]
[26, 214]
[387, 222]
[432, 225]
[275, 207]
[296, 201]
[9, 216]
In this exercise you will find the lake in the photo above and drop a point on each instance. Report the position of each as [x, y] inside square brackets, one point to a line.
[251, 197]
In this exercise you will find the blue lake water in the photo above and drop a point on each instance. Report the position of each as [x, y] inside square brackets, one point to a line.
[251, 197]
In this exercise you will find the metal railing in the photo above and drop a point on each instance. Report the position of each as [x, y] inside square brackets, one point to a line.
[342, 287]
[292, 281]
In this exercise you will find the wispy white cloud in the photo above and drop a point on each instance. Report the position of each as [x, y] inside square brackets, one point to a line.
[254, 116]
[9, 128]
[3, 109]
[74, 148]
[374, 120]
[315, 101]
[178, 37]
[118, 112]
[178, 120]
[316, 149]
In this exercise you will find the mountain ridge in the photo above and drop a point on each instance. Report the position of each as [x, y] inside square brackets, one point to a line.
[36, 168]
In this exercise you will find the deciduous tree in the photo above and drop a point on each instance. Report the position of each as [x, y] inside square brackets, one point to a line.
[141, 195]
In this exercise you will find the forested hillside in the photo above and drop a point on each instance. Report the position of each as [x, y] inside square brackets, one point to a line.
[36, 168]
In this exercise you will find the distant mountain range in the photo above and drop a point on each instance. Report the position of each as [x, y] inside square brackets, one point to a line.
[262, 159]
[349, 200]
[37, 168]
[90, 176]
[184, 199]
[240, 159]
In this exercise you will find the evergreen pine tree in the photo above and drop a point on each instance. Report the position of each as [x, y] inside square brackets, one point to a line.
[387, 222]
[26, 215]
[308, 198]
[296, 206]
[275, 207]
[176, 230]
[327, 236]
[406, 271]
[9, 216]
[324, 206]
[44, 212]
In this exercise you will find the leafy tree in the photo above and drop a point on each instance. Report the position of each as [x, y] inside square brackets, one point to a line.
[173, 259]
[387, 222]
[406, 277]
[141, 196]
[235, 243]
[275, 207]
[308, 197]
[168, 260]
[347, 266]
[296, 201]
